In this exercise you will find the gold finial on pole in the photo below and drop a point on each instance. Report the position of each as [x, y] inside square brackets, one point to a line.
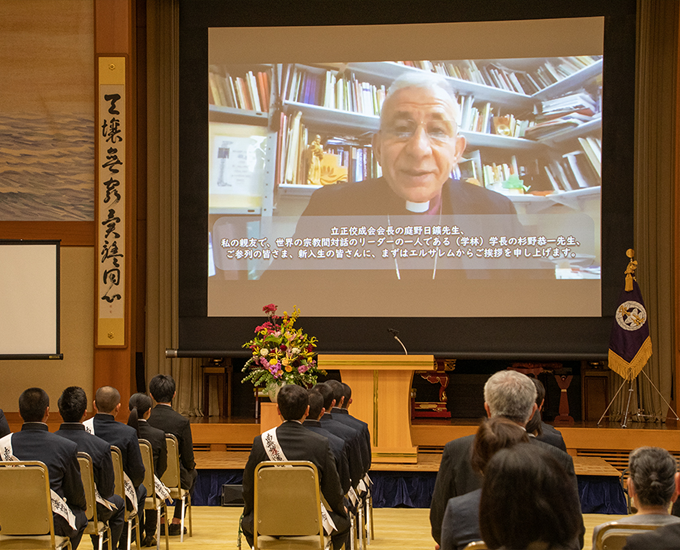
[630, 269]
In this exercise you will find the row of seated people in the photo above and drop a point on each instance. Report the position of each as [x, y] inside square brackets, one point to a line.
[95, 436]
[514, 491]
[316, 427]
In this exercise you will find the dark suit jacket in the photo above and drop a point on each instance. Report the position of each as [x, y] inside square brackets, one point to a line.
[357, 468]
[35, 442]
[663, 538]
[98, 449]
[461, 521]
[339, 450]
[456, 477]
[4, 426]
[342, 415]
[297, 443]
[551, 436]
[160, 448]
[125, 438]
[169, 421]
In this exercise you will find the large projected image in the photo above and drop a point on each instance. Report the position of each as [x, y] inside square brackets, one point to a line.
[385, 185]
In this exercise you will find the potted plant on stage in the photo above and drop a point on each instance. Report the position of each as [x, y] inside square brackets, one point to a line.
[282, 354]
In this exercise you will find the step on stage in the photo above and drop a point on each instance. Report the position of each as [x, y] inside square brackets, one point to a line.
[600, 455]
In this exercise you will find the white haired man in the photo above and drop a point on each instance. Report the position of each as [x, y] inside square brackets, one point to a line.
[511, 395]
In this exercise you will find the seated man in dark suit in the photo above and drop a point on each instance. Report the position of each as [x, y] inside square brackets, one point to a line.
[542, 431]
[338, 446]
[140, 410]
[297, 443]
[72, 407]
[107, 406]
[663, 538]
[509, 394]
[35, 442]
[4, 426]
[163, 417]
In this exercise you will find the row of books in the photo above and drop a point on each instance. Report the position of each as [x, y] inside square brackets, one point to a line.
[562, 113]
[498, 76]
[487, 119]
[332, 90]
[250, 92]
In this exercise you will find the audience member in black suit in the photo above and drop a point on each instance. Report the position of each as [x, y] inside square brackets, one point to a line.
[543, 432]
[528, 501]
[653, 483]
[107, 406]
[4, 426]
[35, 442]
[342, 394]
[298, 443]
[72, 407]
[461, 519]
[357, 467]
[162, 388]
[140, 409]
[338, 445]
[663, 538]
[509, 394]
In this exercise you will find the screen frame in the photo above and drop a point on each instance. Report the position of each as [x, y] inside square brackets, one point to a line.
[465, 338]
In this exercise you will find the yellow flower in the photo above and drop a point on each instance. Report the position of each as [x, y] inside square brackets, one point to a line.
[288, 368]
[284, 361]
[273, 361]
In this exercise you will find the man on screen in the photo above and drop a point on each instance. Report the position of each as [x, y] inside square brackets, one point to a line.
[418, 146]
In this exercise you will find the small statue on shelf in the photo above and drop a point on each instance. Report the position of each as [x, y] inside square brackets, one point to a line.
[314, 159]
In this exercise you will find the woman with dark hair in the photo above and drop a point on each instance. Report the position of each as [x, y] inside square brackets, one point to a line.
[528, 502]
[461, 519]
[653, 484]
[140, 409]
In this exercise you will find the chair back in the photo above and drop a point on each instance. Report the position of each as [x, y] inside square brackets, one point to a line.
[87, 475]
[171, 476]
[118, 473]
[292, 485]
[147, 459]
[613, 535]
[25, 502]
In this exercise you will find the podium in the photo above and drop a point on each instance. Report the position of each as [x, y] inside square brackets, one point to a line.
[381, 397]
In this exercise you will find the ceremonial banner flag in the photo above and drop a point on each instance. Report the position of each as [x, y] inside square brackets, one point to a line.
[630, 346]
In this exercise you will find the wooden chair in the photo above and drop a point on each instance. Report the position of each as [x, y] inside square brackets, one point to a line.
[94, 527]
[476, 545]
[173, 481]
[153, 502]
[131, 517]
[613, 535]
[281, 486]
[26, 508]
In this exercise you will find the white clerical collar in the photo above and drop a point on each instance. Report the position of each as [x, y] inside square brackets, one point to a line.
[417, 207]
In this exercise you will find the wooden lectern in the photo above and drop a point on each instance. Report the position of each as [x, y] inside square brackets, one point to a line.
[381, 397]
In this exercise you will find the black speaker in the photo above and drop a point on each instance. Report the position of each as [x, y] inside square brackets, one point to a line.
[232, 495]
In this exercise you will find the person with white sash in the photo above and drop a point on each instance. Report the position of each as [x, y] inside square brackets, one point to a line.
[73, 407]
[35, 442]
[140, 409]
[291, 441]
[104, 425]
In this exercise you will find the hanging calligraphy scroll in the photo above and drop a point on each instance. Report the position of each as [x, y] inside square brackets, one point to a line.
[111, 171]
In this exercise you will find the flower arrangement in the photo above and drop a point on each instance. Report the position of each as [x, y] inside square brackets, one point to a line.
[282, 354]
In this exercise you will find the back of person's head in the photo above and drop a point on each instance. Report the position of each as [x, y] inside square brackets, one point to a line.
[652, 470]
[33, 404]
[315, 403]
[106, 399]
[72, 404]
[510, 394]
[493, 435]
[139, 404]
[292, 401]
[534, 425]
[423, 80]
[540, 390]
[338, 391]
[527, 497]
[325, 390]
[162, 388]
[347, 392]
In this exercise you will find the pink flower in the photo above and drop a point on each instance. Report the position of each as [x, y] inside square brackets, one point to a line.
[269, 309]
[303, 369]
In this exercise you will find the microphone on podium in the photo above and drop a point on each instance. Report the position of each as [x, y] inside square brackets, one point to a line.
[395, 335]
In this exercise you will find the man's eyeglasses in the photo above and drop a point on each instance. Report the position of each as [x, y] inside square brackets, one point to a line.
[437, 131]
